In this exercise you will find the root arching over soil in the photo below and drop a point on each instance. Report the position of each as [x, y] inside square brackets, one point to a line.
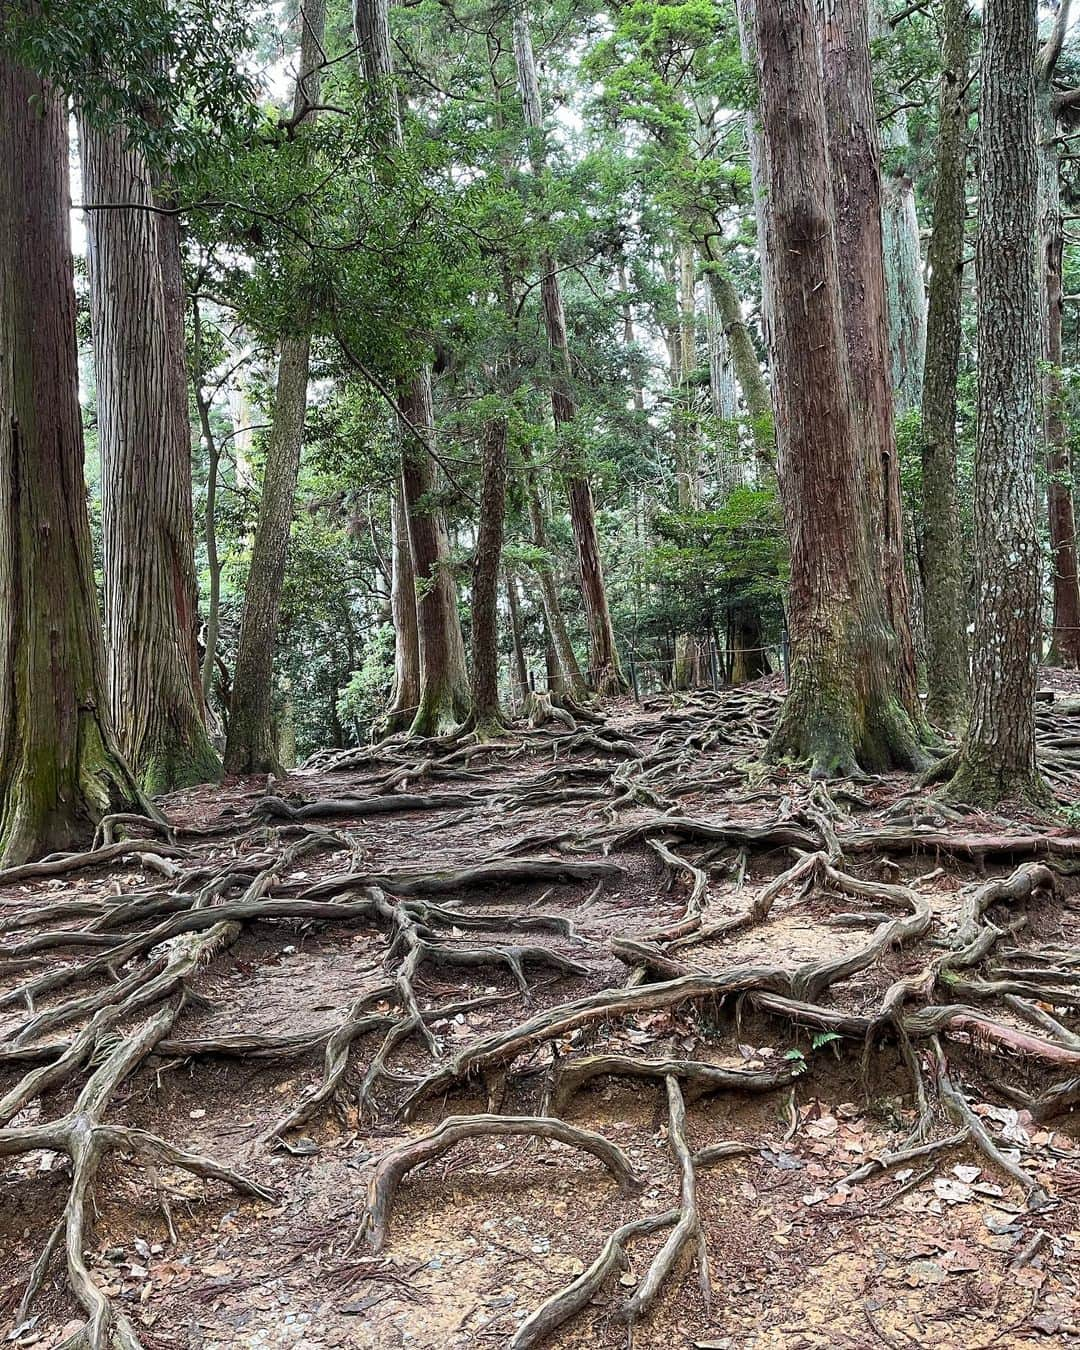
[428, 980]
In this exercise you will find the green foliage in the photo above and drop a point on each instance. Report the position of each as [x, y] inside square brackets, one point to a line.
[168, 72]
[363, 700]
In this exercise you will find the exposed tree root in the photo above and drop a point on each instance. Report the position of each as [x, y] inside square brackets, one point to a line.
[970, 991]
[579, 1293]
[396, 1164]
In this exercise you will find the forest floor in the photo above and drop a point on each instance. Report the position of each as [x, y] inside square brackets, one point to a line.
[812, 1056]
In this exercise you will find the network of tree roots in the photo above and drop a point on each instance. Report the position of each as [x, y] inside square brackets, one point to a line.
[591, 1033]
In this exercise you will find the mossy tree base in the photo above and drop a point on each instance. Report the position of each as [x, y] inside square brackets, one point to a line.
[50, 806]
[973, 781]
[182, 764]
[843, 731]
[442, 711]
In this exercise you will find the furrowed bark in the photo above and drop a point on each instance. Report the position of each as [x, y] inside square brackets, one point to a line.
[155, 690]
[60, 769]
[943, 569]
[855, 163]
[997, 758]
[1065, 644]
[845, 709]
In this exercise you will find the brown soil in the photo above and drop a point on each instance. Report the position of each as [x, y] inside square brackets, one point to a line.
[945, 1251]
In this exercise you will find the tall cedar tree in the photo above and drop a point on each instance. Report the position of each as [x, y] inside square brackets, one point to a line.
[151, 613]
[845, 707]
[855, 168]
[1065, 650]
[943, 566]
[60, 769]
[604, 670]
[251, 745]
[444, 682]
[997, 758]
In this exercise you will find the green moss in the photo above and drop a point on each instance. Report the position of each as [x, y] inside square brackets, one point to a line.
[978, 782]
[179, 765]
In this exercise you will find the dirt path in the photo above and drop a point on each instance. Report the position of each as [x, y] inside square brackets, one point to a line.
[756, 995]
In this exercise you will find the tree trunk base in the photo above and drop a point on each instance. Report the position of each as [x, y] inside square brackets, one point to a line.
[609, 682]
[987, 786]
[840, 739]
[182, 764]
[39, 819]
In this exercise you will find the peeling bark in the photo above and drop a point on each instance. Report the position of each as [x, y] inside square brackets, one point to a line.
[845, 707]
[60, 769]
[155, 689]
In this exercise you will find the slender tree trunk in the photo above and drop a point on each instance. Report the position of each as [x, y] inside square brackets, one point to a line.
[904, 289]
[443, 701]
[405, 695]
[486, 712]
[604, 669]
[628, 336]
[943, 563]
[252, 746]
[520, 669]
[855, 164]
[60, 768]
[687, 668]
[155, 690]
[1065, 645]
[997, 758]
[844, 708]
[213, 562]
[747, 367]
[554, 618]
[444, 682]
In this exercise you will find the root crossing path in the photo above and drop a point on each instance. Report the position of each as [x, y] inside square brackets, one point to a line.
[598, 1034]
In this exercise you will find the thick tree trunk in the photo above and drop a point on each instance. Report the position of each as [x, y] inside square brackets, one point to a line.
[486, 712]
[60, 769]
[213, 561]
[749, 659]
[997, 758]
[252, 745]
[1065, 645]
[150, 612]
[556, 680]
[943, 563]
[443, 701]
[855, 164]
[604, 670]
[844, 708]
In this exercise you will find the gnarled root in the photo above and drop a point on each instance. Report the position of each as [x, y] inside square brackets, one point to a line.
[396, 1164]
